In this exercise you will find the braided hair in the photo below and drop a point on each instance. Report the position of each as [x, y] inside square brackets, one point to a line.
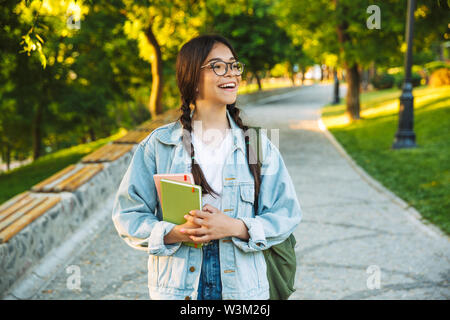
[189, 60]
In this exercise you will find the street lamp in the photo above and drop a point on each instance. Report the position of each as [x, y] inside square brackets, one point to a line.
[405, 136]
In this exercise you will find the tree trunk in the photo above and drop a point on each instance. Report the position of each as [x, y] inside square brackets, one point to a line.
[372, 71]
[8, 156]
[293, 79]
[37, 132]
[365, 79]
[353, 87]
[303, 75]
[291, 73]
[330, 73]
[258, 80]
[336, 98]
[352, 73]
[155, 104]
[92, 134]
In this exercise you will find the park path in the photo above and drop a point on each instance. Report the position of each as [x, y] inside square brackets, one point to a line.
[354, 242]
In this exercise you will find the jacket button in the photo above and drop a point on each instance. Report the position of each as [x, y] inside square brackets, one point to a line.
[187, 298]
[191, 269]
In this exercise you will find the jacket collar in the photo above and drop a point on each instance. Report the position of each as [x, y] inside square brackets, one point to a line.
[174, 132]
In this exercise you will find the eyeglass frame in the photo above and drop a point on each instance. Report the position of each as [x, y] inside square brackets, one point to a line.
[226, 67]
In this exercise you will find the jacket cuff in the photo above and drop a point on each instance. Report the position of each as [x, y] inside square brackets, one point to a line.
[156, 244]
[257, 240]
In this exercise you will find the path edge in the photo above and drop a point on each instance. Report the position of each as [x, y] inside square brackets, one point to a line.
[409, 211]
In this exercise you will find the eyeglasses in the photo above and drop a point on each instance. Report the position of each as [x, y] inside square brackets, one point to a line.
[221, 67]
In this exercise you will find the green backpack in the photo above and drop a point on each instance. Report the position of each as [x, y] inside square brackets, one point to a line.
[280, 259]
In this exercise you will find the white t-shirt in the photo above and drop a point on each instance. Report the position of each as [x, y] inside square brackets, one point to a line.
[211, 160]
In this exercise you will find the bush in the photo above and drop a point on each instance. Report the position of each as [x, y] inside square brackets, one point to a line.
[416, 78]
[383, 81]
[440, 77]
[435, 65]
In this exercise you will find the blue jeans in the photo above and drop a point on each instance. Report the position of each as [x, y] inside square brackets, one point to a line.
[210, 285]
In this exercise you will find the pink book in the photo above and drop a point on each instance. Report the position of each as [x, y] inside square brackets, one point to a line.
[181, 177]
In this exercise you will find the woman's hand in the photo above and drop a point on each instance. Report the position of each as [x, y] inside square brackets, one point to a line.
[214, 224]
[175, 235]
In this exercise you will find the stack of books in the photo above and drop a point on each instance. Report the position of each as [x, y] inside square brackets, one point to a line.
[178, 195]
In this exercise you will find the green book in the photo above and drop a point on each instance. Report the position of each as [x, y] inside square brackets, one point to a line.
[177, 199]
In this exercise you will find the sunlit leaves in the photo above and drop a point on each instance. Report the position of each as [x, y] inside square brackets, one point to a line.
[30, 45]
[47, 18]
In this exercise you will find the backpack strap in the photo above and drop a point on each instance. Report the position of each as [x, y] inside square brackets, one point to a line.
[255, 151]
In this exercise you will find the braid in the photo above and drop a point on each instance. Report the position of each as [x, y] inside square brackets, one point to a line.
[197, 173]
[255, 168]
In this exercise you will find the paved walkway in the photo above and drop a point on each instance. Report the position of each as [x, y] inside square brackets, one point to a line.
[355, 240]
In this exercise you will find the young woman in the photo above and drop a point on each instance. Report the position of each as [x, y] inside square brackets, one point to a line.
[247, 208]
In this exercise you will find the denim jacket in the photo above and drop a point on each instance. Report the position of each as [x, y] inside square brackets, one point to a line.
[174, 269]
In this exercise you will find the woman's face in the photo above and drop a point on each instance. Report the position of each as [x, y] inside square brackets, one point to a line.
[209, 90]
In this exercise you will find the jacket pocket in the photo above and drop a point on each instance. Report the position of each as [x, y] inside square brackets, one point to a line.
[246, 200]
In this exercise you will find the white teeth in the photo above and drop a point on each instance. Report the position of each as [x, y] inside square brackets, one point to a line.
[228, 85]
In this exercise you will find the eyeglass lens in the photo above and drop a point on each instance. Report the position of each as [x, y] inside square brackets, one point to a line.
[220, 68]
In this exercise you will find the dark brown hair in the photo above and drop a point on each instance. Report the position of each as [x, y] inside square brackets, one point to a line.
[189, 60]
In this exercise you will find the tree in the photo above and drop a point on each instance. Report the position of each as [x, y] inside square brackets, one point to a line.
[101, 72]
[27, 93]
[67, 88]
[339, 28]
[161, 27]
[259, 41]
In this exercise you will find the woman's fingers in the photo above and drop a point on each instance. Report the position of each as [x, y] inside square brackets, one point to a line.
[195, 232]
[210, 208]
[195, 220]
[202, 239]
[200, 214]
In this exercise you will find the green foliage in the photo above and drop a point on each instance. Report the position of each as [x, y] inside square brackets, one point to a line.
[317, 22]
[258, 40]
[30, 45]
[89, 72]
[416, 79]
[383, 81]
[434, 65]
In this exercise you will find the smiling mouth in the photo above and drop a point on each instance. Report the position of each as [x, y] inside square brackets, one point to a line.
[231, 86]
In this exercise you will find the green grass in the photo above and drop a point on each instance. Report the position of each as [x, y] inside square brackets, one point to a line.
[420, 176]
[23, 178]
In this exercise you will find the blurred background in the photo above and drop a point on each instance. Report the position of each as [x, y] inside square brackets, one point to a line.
[75, 75]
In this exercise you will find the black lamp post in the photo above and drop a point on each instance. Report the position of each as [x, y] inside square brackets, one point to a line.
[405, 136]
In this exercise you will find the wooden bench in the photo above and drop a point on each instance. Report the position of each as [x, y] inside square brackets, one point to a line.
[18, 212]
[132, 137]
[149, 126]
[167, 117]
[68, 179]
[108, 153]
